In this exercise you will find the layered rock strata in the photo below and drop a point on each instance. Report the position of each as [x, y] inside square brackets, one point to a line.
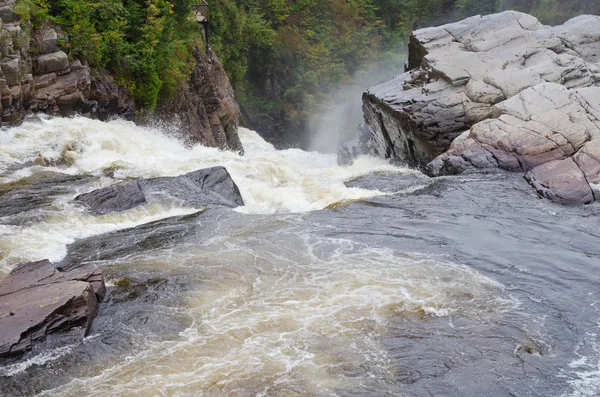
[498, 91]
[39, 301]
[37, 75]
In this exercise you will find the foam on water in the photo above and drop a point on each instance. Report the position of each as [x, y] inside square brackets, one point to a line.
[310, 328]
[270, 181]
[39, 359]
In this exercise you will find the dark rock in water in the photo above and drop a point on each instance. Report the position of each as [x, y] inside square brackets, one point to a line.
[38, 300]
[561, 181]
[389, 182]
[361, 145]
[115, 198]
[495, 91]
[155, 235]
[34, 192]
[211, 186]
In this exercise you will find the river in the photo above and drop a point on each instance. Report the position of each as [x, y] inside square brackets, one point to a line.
[370, 280]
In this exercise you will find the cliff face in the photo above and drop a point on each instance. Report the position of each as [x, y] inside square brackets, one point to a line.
[37, 76]
[499, 91]
[205, 108]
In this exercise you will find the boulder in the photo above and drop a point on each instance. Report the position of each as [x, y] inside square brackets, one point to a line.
[561, 181]
[38, 301]
[46, 41]
[207, 187]
[52, 62]
[495, 91]
[12, 71]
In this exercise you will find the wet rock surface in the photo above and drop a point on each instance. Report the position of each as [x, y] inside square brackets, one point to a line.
[37, 301]
[35, 192]
[498, 91]
[211, 186]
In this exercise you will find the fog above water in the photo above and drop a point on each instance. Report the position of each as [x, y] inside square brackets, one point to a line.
[336, 120]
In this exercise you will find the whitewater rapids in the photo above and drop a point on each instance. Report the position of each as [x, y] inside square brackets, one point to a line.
[270, 181]
[400, 286]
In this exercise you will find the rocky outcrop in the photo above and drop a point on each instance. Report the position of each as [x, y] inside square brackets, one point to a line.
[207, 187]
[206, 107]
[38, 301]
[498, 91]
[37, 75]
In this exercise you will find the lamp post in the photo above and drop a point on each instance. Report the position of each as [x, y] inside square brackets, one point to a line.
[201, 16]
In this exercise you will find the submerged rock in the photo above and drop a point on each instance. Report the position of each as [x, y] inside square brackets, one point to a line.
[498, 91]
[211, 186]
[38, 300]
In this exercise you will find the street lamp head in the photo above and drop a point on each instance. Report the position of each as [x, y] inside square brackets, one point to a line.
[200, 12]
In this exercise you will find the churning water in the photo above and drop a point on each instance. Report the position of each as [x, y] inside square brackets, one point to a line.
[368, 280]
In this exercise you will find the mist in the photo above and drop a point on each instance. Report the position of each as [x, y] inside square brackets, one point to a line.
[336, 121]
[338, 118]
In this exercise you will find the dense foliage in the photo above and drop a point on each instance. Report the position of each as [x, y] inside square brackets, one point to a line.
[146, 44]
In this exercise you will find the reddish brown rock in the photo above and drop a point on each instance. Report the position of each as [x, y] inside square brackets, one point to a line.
[38, 300]
[561, 181]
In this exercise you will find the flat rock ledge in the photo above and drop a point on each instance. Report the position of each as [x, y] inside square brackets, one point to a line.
[39, 301]
[206, 187]
[498, 91]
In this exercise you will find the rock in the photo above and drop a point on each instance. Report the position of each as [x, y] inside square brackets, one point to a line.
[53, 62]
[496, 91]
[544, 123]
[62, 95]
[75, 65]
[588, 161]
[207, 187]
[361, 145]
[37, 301]
[161, 234]
[107, 98]
[206, 107]
[561, 181]
[12, 71]
[36, 191]
[115, 198]
[46, 41]
[44, 81]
